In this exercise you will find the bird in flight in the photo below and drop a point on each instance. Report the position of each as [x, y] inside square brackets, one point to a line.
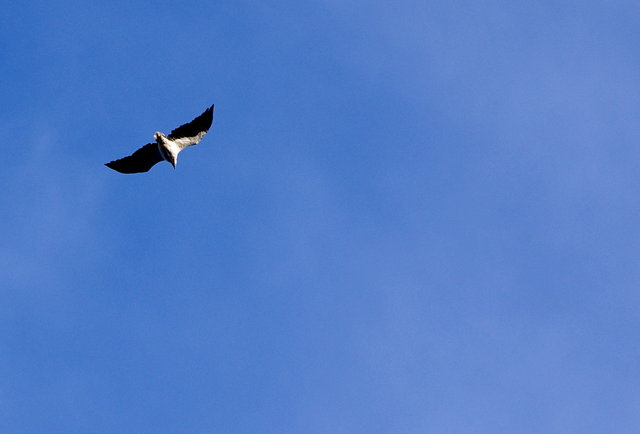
[165, 147]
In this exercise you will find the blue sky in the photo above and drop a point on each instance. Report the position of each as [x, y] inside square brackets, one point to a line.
[408, 217]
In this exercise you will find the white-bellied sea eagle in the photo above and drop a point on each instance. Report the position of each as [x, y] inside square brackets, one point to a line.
[165, 147]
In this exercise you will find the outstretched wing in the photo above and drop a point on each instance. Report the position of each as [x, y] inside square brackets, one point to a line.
[191, 133]
[140, 161]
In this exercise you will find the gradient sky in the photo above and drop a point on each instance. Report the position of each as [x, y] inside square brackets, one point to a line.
[408, 217]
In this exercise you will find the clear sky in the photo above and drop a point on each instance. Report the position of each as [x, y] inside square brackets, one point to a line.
[408, 217]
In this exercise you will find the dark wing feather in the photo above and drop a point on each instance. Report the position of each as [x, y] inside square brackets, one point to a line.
[140, 161]
[193, 132]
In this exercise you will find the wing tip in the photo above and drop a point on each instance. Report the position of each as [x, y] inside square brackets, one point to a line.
[113, 166]
[207, 116]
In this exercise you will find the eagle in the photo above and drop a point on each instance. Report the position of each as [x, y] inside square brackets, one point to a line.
[165, 147]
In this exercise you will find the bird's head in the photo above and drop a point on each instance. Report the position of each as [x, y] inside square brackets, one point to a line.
[157, 135]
